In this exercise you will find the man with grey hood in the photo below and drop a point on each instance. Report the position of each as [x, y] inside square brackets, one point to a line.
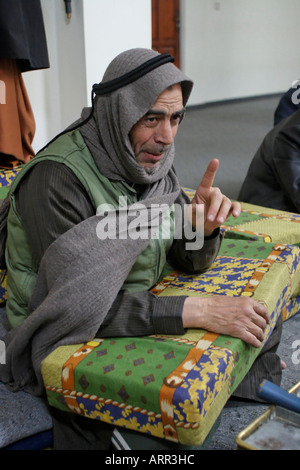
[68, 284]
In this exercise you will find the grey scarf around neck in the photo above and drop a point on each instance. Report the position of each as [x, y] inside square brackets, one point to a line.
[80, 275]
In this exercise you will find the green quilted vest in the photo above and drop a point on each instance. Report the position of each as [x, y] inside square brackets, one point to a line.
[71, 150]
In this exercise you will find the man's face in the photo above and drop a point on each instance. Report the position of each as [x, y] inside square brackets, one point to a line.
[152, 135]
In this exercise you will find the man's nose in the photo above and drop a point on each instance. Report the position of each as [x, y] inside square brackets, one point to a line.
[164, 133]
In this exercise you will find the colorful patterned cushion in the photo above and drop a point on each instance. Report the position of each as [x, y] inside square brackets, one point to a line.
[175, 387]
[261, 223]
[6, 178]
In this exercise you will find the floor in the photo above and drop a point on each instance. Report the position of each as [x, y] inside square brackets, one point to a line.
[237, 415]
[232, 132]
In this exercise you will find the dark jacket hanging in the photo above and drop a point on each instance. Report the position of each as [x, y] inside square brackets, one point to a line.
[22, 34]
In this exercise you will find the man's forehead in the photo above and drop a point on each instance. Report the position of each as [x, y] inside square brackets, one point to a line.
[170, 97]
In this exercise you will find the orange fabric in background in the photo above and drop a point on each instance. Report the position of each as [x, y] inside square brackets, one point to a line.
[17, 123]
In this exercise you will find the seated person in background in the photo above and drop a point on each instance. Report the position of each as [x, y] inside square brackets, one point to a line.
[273, 177]
[288, 104]
[65, 284]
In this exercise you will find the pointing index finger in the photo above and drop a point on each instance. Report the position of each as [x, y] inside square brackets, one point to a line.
[210, 173]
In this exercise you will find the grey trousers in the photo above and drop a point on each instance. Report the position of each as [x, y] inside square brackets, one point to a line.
[267, 366]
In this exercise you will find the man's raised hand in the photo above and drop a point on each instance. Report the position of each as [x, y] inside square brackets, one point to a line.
[217, 206]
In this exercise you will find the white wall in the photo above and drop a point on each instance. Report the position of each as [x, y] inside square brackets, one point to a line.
[80, 50]
[239, 48]
[110, 27]
[230, 48]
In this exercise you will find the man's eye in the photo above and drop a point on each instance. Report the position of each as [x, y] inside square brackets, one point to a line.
[177, 118]
[151, 121]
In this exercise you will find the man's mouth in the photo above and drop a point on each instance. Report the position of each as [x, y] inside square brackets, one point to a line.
[155, 154]
[155, 157]
[151, 157]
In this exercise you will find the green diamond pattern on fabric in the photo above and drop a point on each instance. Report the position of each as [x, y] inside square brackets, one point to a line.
[243, 218]
[57, 400]
[130, 357]
[245, 249]
[244, 236]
